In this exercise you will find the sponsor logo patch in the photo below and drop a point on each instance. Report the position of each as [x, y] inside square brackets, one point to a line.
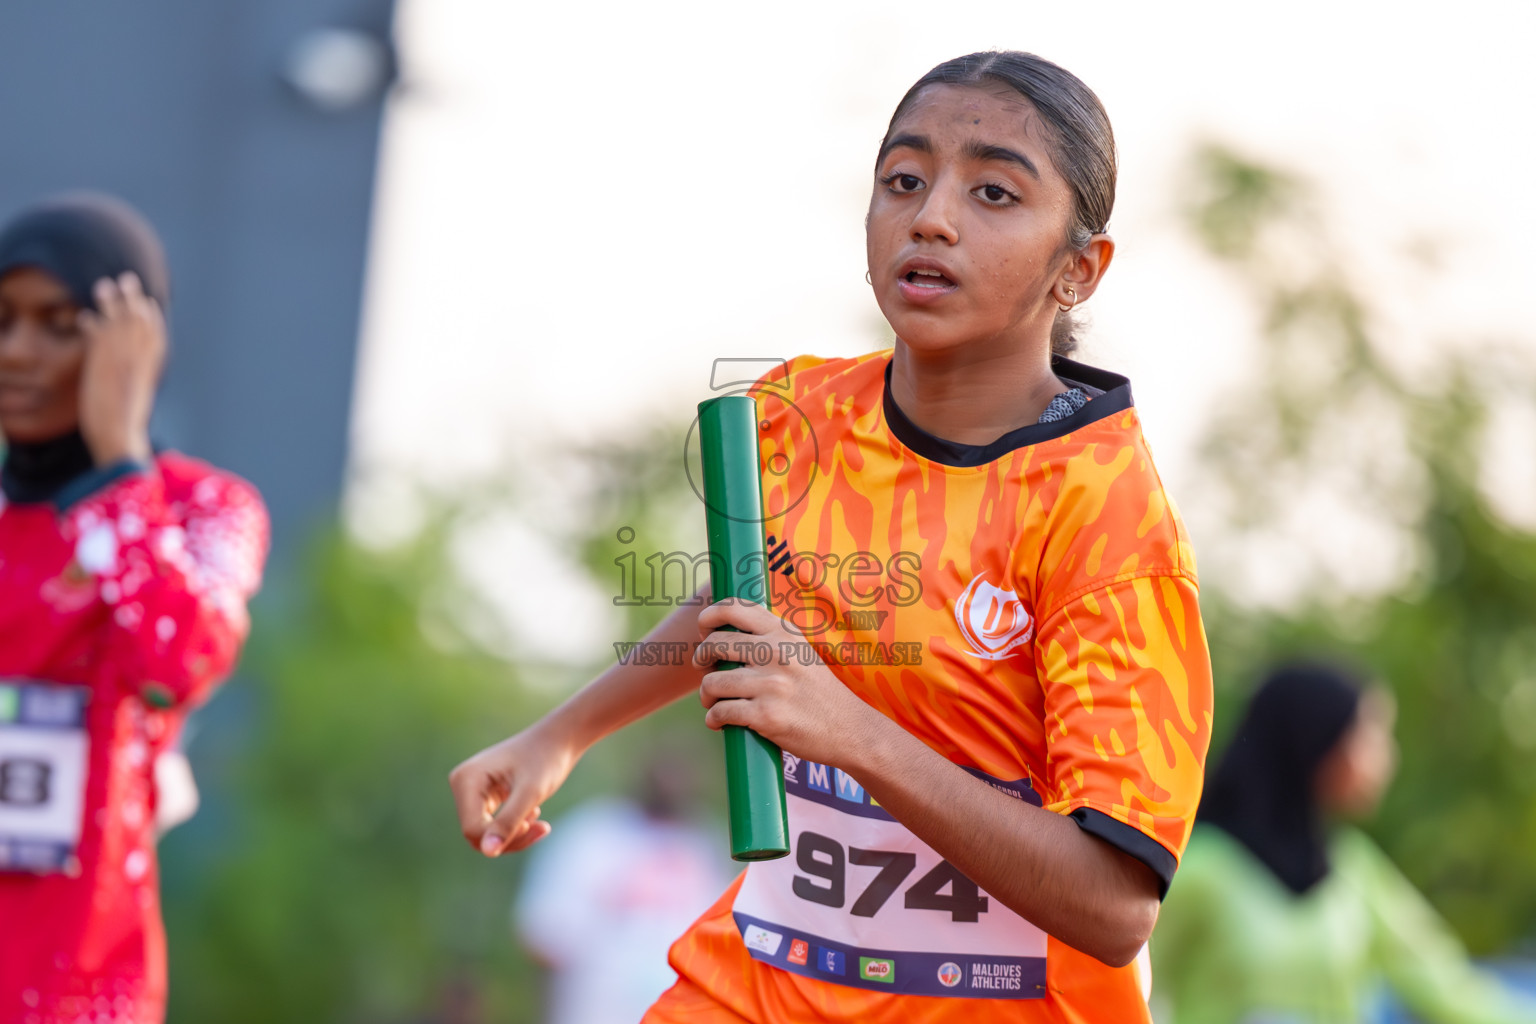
[871, 969]
[817, 777]
[847, 789]
[791, 767]
[799, 952]
[830, 960]
[1007, 977]
[762, 940]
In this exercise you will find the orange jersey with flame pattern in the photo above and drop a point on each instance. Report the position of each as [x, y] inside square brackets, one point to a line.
[1026, 608]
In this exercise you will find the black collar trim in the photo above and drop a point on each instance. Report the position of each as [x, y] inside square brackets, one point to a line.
[1116, 398]
[36, 471]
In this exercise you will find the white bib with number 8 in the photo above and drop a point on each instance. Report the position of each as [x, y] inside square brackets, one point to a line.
[44, 751]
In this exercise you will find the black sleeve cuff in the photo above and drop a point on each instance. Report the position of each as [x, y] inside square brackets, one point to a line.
[98, 479]
[1129, 840]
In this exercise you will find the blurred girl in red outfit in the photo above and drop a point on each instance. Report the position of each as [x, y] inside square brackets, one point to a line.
[124, 576]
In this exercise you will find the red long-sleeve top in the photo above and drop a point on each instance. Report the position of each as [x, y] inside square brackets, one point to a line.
[130, 603]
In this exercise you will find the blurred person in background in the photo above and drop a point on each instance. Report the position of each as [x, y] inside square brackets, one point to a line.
[1282, 914]
[122, 603]
[595, 919]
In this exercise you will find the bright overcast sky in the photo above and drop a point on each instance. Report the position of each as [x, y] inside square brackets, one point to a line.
[581, 205]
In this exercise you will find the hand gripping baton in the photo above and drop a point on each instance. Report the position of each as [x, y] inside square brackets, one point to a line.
[733, 502]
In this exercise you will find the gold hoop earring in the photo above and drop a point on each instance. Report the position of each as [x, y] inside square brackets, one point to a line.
[869, 280]
[1067, 309]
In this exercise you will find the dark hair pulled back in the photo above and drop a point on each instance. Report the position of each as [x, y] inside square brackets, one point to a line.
[1081, 141]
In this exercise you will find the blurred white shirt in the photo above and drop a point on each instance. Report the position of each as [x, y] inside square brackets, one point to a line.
[604, 897]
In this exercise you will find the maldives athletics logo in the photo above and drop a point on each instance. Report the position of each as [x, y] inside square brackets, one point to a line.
[992, 620]
[949, 974]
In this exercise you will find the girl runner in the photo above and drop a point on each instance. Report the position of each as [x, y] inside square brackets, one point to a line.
[122, 604]
[995, 744]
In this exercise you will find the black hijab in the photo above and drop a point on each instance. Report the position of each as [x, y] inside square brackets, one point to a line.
[78, 238]
[1262, 791]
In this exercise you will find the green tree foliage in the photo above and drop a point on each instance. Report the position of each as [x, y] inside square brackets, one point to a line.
[638, 487]
[345, 892]
[1398, 452]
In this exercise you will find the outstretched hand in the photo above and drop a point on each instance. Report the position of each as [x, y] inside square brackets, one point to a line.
[499, 790]
[125, 350]
[782, 691]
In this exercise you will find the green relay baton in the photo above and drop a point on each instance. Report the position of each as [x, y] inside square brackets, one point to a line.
[733, 502]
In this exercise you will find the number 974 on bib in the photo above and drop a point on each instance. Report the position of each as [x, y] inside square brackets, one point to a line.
[863, 902]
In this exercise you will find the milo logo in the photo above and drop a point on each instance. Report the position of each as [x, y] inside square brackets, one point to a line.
[871, 969]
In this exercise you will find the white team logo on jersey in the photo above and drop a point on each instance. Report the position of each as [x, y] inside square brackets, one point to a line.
[992, 620]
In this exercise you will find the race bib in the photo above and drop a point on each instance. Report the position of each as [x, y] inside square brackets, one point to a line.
[861, 901]
[43, 756]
